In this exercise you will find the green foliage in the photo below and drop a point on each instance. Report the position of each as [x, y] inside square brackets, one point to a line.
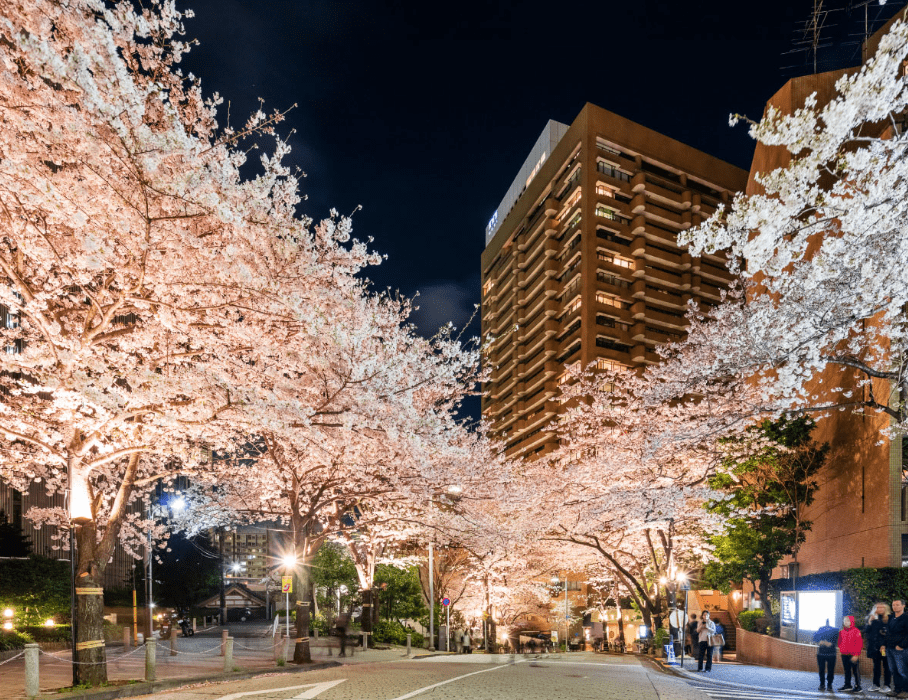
[393, 632]
[36, 589]
[319, 623]
[399, 593]
[58, 633]
[333, 569]
[13, 542]
[748, 619]
[779, 476]
[661, 637]
[14, 640]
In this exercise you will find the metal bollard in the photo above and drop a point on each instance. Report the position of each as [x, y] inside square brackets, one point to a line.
[228, 655]
[31, 670]
[173, 641]
[127, 638]
[150, 660]
[224, 635]
[409, 637]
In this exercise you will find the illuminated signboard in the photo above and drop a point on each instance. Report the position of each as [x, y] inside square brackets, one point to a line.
[789, 612]
[816, 608]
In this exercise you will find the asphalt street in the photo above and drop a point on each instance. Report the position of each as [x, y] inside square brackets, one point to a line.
[476, 677]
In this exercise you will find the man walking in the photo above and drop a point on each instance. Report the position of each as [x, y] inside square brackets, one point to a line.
[897, 649]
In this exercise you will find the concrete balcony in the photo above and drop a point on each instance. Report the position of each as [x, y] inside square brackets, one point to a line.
[638, 182]
[551, 206]
[673, 200]
[638, 247]
[639, 267]
[638, 332]
[663, 257]
[551, 307]
[664, 216]
[667, 279]
[638, 204]
[551, 247]
[678, 322]
[638, 288]
[638, 309]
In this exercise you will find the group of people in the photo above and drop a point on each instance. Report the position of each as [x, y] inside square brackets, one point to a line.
[463, 642]
[707, 638]
[886, 633]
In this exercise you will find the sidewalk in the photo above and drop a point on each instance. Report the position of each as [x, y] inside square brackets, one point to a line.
[763, 677]
[196, 658]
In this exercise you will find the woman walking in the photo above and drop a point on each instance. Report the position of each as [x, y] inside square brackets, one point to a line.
[705, 630]
[875, 631]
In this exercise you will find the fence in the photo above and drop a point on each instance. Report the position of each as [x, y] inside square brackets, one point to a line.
[36, 668]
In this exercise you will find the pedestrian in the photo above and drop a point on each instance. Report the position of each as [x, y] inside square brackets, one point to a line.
[341, 622]
[850, 645]
[458, 641]
[825, 638]
[467, 642]
[895, 649]
[706, 628]
[875, 631]
[691, 640]
[718, 641]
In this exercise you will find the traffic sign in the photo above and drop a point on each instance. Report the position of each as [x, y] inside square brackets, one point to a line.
[446, 601]
[286, 584]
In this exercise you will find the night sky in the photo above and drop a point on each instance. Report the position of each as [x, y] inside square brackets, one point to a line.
[423, 112]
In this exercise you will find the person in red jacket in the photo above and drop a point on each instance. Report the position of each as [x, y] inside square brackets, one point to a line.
[850, 645]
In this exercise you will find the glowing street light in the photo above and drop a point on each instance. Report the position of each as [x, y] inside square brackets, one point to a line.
[49, 622]
[290, 561]
[8, 612]
[7, 625]
[178, 504]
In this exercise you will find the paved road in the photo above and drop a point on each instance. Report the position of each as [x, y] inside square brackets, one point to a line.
[476, 677]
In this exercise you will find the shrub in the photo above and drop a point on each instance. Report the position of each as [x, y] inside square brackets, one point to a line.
[14, 640]
[748, 619]
[60, 633]
[318, 622]
[393, 632]
[661, 637]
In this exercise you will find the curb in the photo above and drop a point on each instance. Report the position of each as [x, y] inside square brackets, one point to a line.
[143, 688]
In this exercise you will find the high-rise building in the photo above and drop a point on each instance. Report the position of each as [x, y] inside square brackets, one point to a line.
[582, 264]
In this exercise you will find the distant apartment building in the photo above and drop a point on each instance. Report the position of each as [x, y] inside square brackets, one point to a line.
[582, 265]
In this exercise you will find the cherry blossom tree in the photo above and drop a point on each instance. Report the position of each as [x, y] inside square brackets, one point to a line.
[823, 249]
[134, 258]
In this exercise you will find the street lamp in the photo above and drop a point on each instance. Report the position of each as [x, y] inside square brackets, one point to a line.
[671, 582]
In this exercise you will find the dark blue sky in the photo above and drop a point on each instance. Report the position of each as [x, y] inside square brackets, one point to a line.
[422, 112]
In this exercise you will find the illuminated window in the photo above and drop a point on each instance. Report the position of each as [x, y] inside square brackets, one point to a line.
[606, 212]
[609, 300]
[573, 306]
[623, 262]
[604, 191]
[487, 287]
[609, 365]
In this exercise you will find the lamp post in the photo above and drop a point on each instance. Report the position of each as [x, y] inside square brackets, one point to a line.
[671, 583]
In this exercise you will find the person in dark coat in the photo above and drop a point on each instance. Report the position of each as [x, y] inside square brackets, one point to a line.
[826, 638]
[341, 623]
[691, 642]
[896, 647]
[875, 631]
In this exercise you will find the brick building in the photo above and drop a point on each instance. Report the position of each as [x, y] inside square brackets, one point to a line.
[582, 265]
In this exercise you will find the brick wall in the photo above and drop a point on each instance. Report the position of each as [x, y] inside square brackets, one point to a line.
[761, 650]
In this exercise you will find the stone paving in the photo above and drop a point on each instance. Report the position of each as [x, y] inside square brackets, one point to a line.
[578, 676]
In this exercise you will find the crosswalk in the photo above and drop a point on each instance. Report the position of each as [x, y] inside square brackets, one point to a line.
[720, 692]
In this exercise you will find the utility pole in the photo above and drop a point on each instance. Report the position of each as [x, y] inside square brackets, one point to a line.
[223, 600]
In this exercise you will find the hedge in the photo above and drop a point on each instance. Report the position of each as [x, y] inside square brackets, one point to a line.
[393, 632]
[861, 588]
[14, 640]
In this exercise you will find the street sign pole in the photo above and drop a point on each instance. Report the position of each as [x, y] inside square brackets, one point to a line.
[287, 589]
[448, 630]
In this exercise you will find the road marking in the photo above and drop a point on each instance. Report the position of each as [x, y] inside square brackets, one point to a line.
[414, 693]
[314, 690]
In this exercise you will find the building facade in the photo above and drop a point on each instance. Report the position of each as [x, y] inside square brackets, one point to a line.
[582, 264]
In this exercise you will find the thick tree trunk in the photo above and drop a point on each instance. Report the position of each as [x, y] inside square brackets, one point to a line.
[368, 614]
[764, 596]
[90, 655]
[302, 653]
